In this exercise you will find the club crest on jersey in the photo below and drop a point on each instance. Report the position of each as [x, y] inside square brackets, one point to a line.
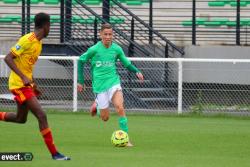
[18, 47]
[98, 64]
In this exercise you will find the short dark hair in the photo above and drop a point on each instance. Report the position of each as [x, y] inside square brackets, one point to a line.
[41, 19]
[106, 26]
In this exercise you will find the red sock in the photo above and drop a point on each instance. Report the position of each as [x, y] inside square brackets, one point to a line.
[2, 116]
[48, 139]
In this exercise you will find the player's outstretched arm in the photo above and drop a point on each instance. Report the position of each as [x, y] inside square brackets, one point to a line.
[80, 80]
[133, 69]
[9, 60]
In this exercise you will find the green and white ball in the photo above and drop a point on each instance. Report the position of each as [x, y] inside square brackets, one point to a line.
[119, 138]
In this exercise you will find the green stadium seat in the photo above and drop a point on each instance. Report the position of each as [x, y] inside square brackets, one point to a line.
[117, 20]
[133, 2]
[245, 21]
[51, 2]
[187, 23]
[55, 19]
[221, 20]
[74, 2]
[11, 1]
[216, 3]
[5, 20]
[92, 2]
[32, 17]
[76, 19]
[79, 19]
[233, 3]
[199, 21]
[14, 18]
[90, 20]
[231, 23]
[248, 2]
[242, 4]
[212, 24]
[225, 1]
[34, 1]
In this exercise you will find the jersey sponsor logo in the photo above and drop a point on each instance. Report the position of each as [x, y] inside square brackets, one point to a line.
[98, 64]
[104, 63]
[18, 47]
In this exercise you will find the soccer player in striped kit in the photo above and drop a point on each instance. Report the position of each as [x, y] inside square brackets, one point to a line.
[21, 61]
[105, 80]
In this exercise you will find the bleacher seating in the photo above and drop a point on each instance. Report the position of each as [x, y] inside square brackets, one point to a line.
[87, 2]
[217, 22]
[233, 3]
[56, 19]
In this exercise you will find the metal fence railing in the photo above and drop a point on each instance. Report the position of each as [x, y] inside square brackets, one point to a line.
[192, 85]
[216, 23]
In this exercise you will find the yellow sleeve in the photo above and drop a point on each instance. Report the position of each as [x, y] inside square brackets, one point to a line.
[22, 45]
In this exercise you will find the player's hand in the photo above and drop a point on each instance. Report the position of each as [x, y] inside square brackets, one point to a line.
[80, 87]
[140, 76]
[26, 81]
[36, 89]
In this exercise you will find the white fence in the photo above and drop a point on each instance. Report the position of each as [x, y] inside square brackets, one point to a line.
[175, 84]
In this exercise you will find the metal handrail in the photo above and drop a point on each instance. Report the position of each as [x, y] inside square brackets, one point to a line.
[114, 28]
[148, 27]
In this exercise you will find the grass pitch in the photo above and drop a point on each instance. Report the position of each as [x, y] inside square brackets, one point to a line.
[160, 141]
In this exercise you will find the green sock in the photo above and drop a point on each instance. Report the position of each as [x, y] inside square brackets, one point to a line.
[98, 112]
[123, 123]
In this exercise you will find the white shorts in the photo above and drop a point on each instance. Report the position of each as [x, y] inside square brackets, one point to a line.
[103, 99]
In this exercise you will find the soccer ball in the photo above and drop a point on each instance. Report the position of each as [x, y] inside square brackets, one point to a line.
[119, 138]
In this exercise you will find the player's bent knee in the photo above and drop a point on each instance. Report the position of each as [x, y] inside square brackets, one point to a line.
[105, 118]
[120, 110]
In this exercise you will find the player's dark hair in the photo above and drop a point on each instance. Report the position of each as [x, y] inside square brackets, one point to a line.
[41, 19]
[106, 26]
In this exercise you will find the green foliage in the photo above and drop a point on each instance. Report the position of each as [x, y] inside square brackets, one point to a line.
[197, 108]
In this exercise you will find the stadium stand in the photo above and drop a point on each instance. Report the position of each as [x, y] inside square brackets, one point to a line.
[216, 22]
[80, 30]
[87, 2]
[219, 3]
[171, 18]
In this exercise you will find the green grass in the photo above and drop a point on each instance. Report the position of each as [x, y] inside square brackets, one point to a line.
[160, 141]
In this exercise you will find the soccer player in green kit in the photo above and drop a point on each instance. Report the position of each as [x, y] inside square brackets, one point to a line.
[105, 80]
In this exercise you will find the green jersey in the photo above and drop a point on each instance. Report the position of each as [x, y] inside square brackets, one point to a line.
[103, 65]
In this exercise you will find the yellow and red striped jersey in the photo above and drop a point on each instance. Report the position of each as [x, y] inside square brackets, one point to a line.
[26, 52]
